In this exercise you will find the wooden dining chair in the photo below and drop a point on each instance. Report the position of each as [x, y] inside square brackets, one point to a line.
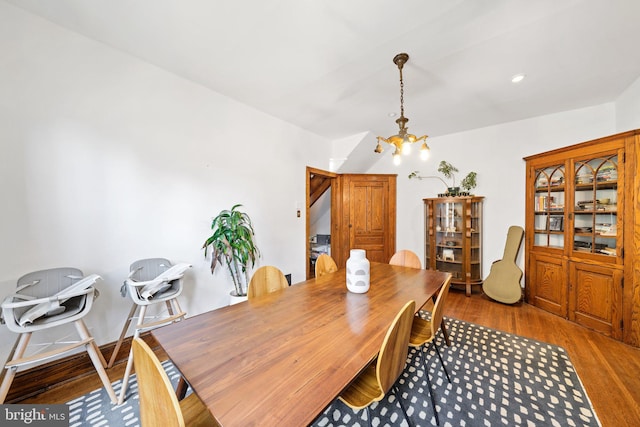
[266, 279]
[325, 265]
[380, 376]
[159, 405]
[423, 332]
[406, 258]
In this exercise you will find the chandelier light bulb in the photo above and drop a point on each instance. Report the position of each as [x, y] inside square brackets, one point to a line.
[424, 151]
[406, 146]
[397, 159]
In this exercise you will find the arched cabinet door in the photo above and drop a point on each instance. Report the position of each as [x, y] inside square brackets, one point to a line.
[581, 234]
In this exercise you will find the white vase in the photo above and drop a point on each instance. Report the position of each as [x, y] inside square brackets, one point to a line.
[358, 271]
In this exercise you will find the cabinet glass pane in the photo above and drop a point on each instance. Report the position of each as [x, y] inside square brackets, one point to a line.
[549, 207]
[449, 245]
[428, 227]
[476, 241]
[595, 223]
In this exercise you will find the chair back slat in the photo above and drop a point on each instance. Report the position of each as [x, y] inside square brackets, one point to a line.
[325, 265]
[395, 347]
[438, 307]
[265, 280]
[158, 402]
[406, 258]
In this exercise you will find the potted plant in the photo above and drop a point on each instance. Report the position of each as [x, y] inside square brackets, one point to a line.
[416, 175]
[447, 169]
[232, 245]
[469, 182]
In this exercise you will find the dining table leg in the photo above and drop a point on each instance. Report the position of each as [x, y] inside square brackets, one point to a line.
[181, 388]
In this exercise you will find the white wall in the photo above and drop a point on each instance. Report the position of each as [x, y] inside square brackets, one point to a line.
[107, 159]
[496, 154]
[320, 215]
[628, 108]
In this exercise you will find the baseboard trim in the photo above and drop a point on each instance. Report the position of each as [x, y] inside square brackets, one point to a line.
[41, 378]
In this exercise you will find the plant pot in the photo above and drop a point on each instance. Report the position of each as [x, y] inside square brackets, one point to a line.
[235, 299]
[453, 191]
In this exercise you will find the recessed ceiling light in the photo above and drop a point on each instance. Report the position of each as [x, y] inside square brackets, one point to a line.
[517, 78]
[391, 114]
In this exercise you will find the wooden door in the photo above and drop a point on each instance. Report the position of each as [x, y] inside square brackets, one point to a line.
[365, 217]
[548, 284]
[595, 298]
[368, 213]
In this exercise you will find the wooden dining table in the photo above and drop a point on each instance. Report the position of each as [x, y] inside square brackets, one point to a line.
[281, 359]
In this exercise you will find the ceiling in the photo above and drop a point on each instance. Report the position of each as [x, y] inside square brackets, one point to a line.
[326, 65]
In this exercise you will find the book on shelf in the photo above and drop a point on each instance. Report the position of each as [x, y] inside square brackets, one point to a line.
[541, 203]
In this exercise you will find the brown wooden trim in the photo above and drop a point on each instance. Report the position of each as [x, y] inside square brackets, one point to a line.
[311, 197]
[606, 144]
[41, 378]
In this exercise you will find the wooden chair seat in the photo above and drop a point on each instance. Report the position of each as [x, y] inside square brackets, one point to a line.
[363, 390]
[420, 332]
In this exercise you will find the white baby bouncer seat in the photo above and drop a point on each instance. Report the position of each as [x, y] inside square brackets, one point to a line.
[43, 300]
[151, 281]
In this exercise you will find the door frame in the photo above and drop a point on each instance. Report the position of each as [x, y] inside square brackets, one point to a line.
[310, 173]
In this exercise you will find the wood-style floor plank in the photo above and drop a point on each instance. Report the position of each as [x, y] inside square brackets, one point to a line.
[608, 369]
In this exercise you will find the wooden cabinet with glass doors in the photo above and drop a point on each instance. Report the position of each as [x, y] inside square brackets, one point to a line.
[576, 234]
[453, 240]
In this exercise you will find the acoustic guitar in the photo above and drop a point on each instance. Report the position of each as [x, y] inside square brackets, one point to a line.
[503, 282]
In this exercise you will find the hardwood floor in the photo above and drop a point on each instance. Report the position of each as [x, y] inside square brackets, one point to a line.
[609, 369]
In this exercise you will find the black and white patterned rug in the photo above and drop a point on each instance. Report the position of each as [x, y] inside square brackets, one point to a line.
[497, 379]
[95, 409]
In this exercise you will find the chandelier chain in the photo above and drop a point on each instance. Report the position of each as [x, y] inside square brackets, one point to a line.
[401, 94]
[401, 142]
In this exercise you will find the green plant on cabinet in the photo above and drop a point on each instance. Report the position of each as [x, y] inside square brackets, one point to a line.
[468, 183]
